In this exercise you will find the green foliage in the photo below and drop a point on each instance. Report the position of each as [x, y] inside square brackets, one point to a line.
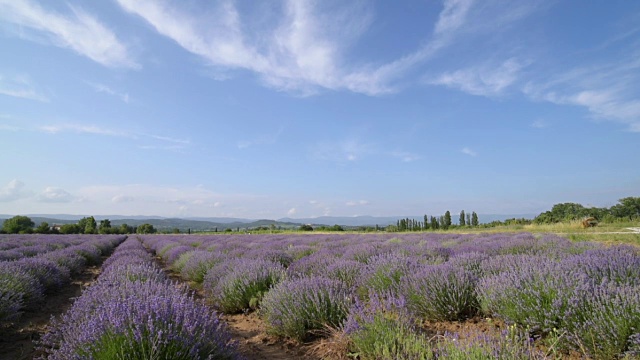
[43, 228]
[462, 219]
[306, 227]
[18, 225]
[70, 229]
[104, 227]
[146, 229]
[447, 220]
[474, 219]
[88, 225]
[384, 338]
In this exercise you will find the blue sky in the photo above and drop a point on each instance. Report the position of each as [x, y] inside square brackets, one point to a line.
[308, 108]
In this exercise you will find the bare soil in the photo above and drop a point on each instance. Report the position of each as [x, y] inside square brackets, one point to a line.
[17, 341]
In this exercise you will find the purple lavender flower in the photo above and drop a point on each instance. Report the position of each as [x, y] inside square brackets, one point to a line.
[295, 307]
[441, 292]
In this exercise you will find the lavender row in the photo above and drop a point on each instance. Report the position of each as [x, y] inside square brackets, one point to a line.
[134, 312]
[24, 283]
[544, 285]
[16, 247]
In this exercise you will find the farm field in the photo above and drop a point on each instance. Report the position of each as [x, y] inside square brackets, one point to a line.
[340, 296]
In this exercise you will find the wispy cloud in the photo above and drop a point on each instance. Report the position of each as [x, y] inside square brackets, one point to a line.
[485, 80]
[20, 86]
[347, 150]
[14, 190]
[78, 31]
[609, 91]
[302, 49]
[539, 124]
[357, 203]
[469, 152]
[145, 141]
[85, 129]
[406, 156]
[101, 88]
[265, 139]
[55, 195]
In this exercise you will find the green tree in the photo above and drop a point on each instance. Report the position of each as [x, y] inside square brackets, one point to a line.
[43, 228]
[306, 227]
[88, 225]
[18, 225]
[474, 219]
[434, 223]
[447, 220]
[126, 229]
[104, 227]
[146, 229]
[628, 207]
[462, 218]
[70, 229]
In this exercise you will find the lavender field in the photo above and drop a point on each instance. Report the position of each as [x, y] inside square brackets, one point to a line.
[381, 293]
[388, 296]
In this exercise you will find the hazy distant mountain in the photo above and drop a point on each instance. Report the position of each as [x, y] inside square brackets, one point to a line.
[210, 224]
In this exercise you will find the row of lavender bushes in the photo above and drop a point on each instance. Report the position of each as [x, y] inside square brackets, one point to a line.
[45, 264]
[380, 289]
[134, 312]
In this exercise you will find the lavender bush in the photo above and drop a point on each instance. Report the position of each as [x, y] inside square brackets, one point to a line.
[383, 329]
[244, 285]
[441, 292]
[535, 292]
[295, 307]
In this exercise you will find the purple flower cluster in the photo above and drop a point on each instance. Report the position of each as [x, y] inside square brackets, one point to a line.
[441, 292]
[295, 307]
[134, 312]
[242, 284]
[45, 264]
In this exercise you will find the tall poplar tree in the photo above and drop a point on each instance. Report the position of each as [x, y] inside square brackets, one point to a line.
[462, 222]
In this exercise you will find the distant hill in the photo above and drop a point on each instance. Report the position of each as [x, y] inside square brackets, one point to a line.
[210, 224]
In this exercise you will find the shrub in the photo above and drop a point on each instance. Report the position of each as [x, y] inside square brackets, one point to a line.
[295, 307]
[244, 285]
[199, 263]
[607, 321]
[441, 292]
[382, 329]
[533, 292]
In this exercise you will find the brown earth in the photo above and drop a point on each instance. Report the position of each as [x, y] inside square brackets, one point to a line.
[17, 341]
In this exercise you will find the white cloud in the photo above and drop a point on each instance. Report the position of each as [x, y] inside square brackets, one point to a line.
[357, 203]
[55, 195]
[101, 88]
[14, 190]
[607, 89]
[406, 156]
[453, 16]
[20, 86]
[119, 199]
[539, 124]
[292, 212]
[485, 80]
[469, 152]
[301, 50]
[78, 31]
[348, 150]
[265, 139]
[85, 129]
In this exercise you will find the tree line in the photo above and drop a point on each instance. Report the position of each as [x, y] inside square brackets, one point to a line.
[87, 225]
[627, 208]
[442, 222]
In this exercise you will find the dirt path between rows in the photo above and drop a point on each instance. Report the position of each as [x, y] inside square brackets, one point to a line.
[17, 342]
